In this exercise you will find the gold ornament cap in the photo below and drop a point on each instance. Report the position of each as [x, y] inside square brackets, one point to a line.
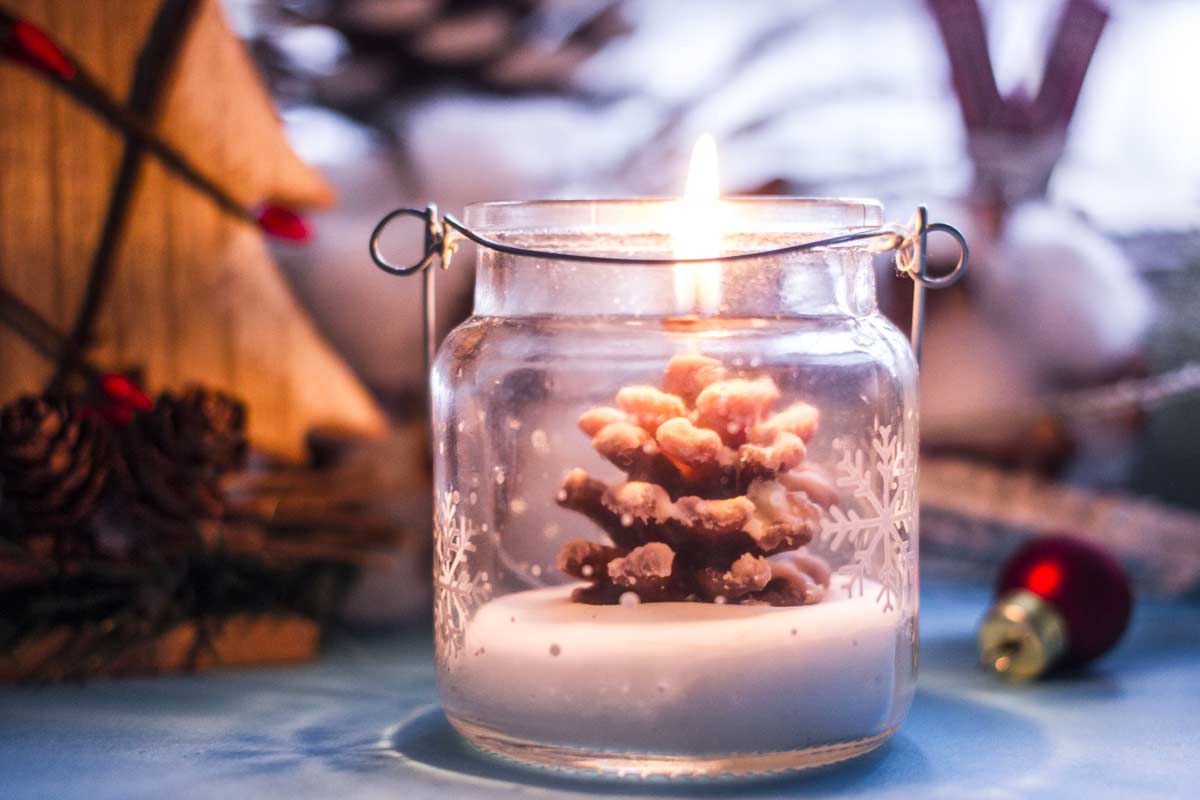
[1022, 636]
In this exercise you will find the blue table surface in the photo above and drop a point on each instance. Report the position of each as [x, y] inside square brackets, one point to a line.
[363, 722]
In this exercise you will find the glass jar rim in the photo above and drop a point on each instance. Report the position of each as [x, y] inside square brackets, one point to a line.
[758, 214]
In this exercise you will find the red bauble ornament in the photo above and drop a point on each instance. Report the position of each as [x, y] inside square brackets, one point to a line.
[1083, 583]
[1060, 602]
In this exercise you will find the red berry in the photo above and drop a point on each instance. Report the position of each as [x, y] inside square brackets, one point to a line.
[283, 223]
[123, 390]
[30, 45]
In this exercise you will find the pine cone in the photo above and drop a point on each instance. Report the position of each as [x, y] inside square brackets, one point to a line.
[716, 488]
[177, 452]
[54, 463]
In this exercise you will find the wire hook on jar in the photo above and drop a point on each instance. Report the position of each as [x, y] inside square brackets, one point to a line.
[442, 235]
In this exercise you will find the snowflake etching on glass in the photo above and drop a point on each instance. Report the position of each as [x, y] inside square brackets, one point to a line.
[883, 480]
[459, 591]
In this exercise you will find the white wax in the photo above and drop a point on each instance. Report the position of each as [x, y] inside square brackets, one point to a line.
[678, 677]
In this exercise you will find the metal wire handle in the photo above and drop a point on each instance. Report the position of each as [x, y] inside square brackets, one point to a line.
[443, 232]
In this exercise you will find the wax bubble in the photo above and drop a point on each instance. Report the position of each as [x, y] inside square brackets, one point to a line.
[627, 520]
[518, 506]
[539, 440]
[514, 424]
[720, 600]
[630, 599]
[499, 476]
[551, 530]
[536, 570]
[562, 495]
[473, 498]
[455, 496]
[587, 570]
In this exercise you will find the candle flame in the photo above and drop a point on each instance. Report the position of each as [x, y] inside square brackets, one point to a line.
[702, 180]
[698, 232]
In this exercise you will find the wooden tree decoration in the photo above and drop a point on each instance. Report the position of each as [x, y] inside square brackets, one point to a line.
[188, 291]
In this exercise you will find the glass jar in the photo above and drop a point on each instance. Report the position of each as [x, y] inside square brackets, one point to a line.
[676, 513]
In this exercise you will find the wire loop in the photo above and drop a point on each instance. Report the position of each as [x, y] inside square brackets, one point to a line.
[909, 253]
[434, 241]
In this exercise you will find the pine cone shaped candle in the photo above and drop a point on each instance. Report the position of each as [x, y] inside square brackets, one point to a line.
[715, 486]
[177, 452]
[54, 463]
